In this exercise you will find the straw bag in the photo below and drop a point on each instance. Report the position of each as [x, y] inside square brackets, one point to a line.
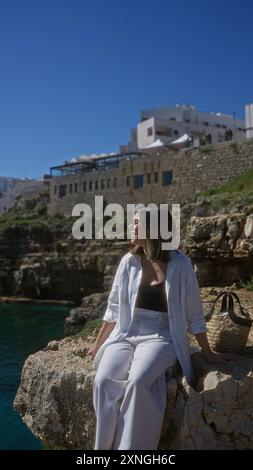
[227, 332]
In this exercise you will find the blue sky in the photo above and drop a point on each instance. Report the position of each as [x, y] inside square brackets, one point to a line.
[75, 74]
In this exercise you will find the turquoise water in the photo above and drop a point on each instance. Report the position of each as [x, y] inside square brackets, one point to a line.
[24, 329]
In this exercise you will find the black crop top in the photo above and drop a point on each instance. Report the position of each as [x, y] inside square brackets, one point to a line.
[152, 297]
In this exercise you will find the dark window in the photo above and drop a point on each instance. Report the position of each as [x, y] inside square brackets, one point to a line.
[165, 132]
[84, 185]
[70, 188]
[149, 178]
[175, 132]
[90, 185]
[108, 183]
[128, 181]
[156, 177]
[76, 187]
[114, 182]
[55, 190]
[62, 190]
[96, 184]
[150, 131]
[138, 181]
[102, 184]
[206, 123]
[167, 177]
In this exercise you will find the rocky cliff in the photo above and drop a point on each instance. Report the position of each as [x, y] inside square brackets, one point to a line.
[45, 262]
[55, 401]
[42, 260]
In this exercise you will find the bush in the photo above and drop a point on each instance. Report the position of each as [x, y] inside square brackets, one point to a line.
[246, 285]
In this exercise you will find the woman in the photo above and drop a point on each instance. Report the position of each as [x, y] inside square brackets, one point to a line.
[153, 302]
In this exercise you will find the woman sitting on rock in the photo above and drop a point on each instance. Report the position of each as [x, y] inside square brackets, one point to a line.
[153, 302]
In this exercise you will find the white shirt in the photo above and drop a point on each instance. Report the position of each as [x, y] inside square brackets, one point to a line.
[185, 311]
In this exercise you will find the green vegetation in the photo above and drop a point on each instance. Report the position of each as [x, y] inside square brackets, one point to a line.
[238, 191]
[207, 148]
[15, 217]
[239, 184]
[248, 285]
[91, 328]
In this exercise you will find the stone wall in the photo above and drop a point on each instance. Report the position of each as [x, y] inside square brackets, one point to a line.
[194, 170]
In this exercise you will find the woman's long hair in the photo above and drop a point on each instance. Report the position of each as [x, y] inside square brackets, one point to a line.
[153, 248]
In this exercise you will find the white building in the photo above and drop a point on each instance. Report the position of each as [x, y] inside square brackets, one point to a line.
[168, 124]
[249, 120]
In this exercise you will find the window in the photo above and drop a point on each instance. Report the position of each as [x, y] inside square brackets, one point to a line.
[70, 188]
[156, 177]
[55, 190]
[96, 184]
[62, 190]
[84, 185]
[138, 181]
[175, 132]
[148, 178]
[108, 183]
[167, 132]
[128, 181]
[114, 182]
[167, 177]
[90, 185]
[150, 131]
[206, 123]
[76, 187]
[102, 182]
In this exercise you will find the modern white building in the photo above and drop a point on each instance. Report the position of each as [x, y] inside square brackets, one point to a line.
[249, 120]
[168, 124]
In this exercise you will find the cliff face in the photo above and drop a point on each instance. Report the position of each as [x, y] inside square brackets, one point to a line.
[55, 401]
[45, 262]
[221, 246]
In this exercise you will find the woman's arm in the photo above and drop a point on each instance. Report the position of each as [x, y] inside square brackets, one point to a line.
[112, 310]
[103, 334]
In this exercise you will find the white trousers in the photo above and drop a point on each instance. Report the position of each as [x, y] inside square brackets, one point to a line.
[129, 389]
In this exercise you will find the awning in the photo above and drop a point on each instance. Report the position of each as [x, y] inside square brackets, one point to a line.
[157, 143]
[182, 140]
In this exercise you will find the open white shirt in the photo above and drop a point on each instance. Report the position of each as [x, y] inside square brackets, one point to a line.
[185, 311]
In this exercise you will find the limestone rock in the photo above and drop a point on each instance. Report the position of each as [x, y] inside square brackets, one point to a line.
[55, 401]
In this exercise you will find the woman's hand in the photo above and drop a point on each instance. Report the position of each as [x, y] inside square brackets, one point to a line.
[214, 356]
[92, 351]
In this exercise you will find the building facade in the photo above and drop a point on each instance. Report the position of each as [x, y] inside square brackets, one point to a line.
[164, 176]
[170, 123]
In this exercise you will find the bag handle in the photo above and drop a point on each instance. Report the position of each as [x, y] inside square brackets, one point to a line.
[246, 321]
[223, 305]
